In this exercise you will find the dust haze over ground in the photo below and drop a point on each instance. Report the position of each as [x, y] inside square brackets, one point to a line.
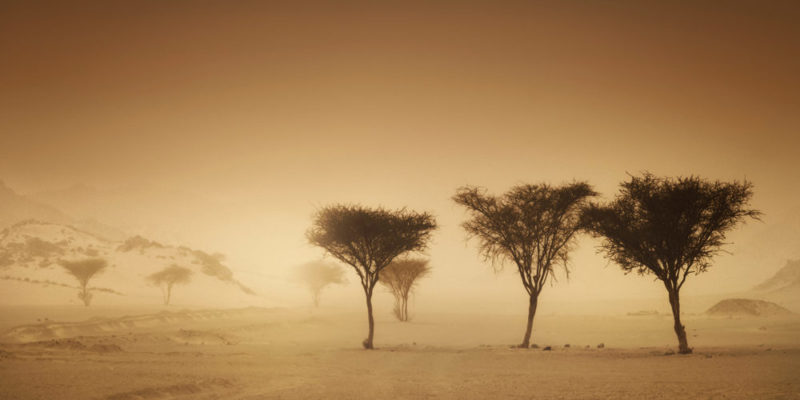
[274, 353]
[205, 135]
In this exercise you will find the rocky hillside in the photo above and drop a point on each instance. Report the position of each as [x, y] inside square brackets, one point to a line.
[746, 308]
[785, 280]
[15, 208]
[31, 254]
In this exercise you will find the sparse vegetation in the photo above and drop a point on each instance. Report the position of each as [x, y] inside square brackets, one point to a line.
[317, 275]
[400, 277]
[169, 277]
[138, 243]
[37, 247]
[212, 265]
[670, 228]
[368, 240]
[30, 250]
[83, 271]
[533, 226]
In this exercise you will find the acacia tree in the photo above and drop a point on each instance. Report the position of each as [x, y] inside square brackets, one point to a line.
[534, 226]
[169, 277]
[669, 227]
[316, 275]
[400, 277]
[83, 271]
[368, 240]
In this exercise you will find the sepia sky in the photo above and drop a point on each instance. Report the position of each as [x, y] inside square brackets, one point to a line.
[276, 108]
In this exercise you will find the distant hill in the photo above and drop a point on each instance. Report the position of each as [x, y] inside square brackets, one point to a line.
[30, 252]
[786, 280]
[747, 308]
[16, 208]
[152, 211]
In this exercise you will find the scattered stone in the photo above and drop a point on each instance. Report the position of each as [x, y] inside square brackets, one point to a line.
[643, 313]
[105, 348]
[566, 346]
[61, 344]
[601, 345]
[547, 348]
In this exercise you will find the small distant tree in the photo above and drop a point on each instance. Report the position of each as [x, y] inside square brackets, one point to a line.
[169, 277]
[400, 277]
[534, 226]
[669, 227]
[316, 275]
[83, 271]
[368, 240]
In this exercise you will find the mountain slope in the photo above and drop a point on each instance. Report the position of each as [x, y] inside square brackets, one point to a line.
[155, 212]
[15, 208]
[786, 279]
[30, 270]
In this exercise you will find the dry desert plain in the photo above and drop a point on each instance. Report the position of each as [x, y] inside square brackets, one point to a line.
[258, 353]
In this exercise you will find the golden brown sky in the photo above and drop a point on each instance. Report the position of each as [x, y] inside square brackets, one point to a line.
[288, 105]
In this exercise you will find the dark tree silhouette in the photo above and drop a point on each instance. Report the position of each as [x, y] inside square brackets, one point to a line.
[368, 240]
[83, 271]
[316, 275]
[669, 227]
[533, 226]
[400, 278]
[169, 277]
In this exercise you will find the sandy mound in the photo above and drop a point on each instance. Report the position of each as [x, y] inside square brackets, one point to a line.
[747, 307]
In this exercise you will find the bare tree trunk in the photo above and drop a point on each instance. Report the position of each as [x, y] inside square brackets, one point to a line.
[398, 307]
[368, 341]
[169, 294]
[680, 330]
[405, 307]
[531, 313]
[85, 296]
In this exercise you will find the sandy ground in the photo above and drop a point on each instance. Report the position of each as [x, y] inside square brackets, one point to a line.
[312, 354]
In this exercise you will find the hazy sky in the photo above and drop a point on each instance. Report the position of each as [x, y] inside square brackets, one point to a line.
[278, 107]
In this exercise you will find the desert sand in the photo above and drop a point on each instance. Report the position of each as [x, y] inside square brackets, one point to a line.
[259, 353]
